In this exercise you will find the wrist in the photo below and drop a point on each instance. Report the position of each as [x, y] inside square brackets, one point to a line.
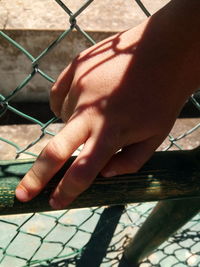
[170, 42]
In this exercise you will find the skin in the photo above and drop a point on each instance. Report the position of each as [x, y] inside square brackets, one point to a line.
[120, 99]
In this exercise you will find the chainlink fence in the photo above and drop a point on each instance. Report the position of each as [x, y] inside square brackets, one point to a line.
[71, 237]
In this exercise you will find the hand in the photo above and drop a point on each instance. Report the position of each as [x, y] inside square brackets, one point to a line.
[119, 99]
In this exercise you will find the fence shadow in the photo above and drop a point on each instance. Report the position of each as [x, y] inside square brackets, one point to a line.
[96, 248]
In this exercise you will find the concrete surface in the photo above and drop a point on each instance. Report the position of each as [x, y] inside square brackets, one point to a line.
[35, 24]
[101, 15]
[74, 229]
[15, 66]
[22, 135]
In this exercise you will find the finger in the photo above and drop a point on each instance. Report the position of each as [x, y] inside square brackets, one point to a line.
[81, 174]
[61, 88]
[131, 158]
[52, 158]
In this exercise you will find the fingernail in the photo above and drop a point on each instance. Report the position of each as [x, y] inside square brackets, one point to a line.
[109, 173]
[21, 194]
[55, 204]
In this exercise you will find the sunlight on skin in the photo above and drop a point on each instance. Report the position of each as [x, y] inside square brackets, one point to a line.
[123, 93]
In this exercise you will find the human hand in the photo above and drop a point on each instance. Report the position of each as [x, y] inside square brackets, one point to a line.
[121, 94]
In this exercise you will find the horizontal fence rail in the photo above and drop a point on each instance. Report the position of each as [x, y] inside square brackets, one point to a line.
[168, 175]
[154, 211]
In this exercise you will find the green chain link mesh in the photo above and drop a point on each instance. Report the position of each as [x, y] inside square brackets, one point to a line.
[66, 238]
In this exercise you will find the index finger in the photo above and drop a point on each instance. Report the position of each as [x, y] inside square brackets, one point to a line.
[52, 158]
[82, 172]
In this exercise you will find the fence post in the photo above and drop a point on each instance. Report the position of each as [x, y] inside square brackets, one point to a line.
[165, 219]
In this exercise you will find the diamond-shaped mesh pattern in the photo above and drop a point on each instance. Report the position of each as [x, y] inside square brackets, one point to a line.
[70, 238]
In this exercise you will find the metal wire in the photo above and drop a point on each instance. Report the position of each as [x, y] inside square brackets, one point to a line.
[54, 240]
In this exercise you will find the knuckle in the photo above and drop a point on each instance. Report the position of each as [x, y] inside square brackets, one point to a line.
[80, 83]
[54, 151]
[35, 176]
[34, 182]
